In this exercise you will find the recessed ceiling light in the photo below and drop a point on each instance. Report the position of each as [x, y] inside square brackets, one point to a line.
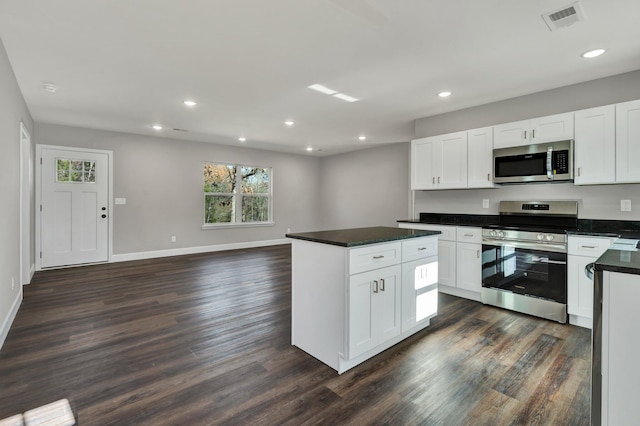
[242, 139]
[593, 53]
[309, 149]
[345, 97]
[190, 103]
[362, 138]
[444, 94]
[157, 127]
[50, 87]
[322, 89]
[289, 123]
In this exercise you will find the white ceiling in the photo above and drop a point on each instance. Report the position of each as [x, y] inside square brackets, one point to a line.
[124, 65]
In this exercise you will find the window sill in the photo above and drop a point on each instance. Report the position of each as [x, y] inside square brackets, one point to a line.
[237, 225]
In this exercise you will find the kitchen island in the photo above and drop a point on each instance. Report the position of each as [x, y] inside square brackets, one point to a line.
[356, 292]
[615, 382]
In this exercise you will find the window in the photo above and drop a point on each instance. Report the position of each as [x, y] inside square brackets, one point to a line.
[78, 171]
[236, 194]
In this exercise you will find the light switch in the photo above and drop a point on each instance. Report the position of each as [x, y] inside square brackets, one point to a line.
[625, 205]
[485, 204]
[121, 201]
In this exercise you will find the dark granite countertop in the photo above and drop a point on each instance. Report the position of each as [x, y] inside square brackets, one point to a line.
[590, 227]
[361, 236]
[624, 261]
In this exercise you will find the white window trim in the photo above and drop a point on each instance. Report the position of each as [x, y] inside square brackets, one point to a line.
[270, 222]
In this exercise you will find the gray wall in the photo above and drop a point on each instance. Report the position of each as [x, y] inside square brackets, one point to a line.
[13, 110]
[595, 202]
[365, 188]
[162, 180]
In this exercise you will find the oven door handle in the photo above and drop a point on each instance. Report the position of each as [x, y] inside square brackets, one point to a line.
[542, 246]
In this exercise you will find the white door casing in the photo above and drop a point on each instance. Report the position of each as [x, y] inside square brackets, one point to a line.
[73, 207]
[26, 191]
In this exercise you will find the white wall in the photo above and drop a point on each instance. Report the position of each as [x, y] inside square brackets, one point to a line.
[595, 202]
[13, 110]
[365, 188]
[162, 180]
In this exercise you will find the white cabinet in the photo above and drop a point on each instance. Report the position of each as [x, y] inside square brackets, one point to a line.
[348, 304]
[439, 162]
[374, 308]
[595, 146]
[628, 142]
[419, 282]
[620, 349]
[537, 130]
[480, 158]
[469, 259]
[582, 250]
[447, 263]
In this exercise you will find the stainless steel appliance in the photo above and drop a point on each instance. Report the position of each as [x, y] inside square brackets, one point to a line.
[547, 162]
[524, 258]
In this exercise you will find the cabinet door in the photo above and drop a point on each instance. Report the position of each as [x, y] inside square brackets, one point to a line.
[452, 165]
[447, 263]
[422, 154]
[628, 142]
[469, 271]
[511, 134]
[579, 287]
[595, 146]
[480, 158]
[558, 127]
[387, 304]
[419, 292]
[374, 308]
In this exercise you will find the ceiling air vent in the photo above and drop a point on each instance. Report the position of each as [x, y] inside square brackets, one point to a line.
[564, 17]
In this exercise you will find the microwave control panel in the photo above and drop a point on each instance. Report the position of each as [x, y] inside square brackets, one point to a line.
[560, 162]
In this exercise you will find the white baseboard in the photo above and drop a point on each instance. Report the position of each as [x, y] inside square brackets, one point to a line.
[459, 292]
[8, 320]
[195, 250]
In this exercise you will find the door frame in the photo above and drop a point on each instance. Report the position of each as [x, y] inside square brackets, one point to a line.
[26, 205]
[38, 206]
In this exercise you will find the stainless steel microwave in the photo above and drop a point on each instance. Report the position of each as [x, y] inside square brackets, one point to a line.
[544, 162]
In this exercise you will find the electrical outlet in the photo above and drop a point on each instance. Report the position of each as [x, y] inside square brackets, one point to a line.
[288, 230]
[173, 239]
[13, 283]
[625, 205]
[485, 204]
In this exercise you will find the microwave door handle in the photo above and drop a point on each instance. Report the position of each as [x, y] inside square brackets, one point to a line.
[549, 163]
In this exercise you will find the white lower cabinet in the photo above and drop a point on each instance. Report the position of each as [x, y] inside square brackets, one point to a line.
[582, 250]
[469, 273]
[349, 304]
[374, 308]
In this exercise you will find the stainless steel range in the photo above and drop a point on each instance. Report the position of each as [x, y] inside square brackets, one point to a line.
[524, 258]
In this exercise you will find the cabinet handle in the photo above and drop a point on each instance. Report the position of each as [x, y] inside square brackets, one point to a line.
[489, 177]
[375, 286]
[578, 171]
[438, 179]
[468, 235]
[589, 247]
[525, 135]
[378, 257]
[533, 134]
[433, 180]
[421, 248]
[381, 284]
[477, 254]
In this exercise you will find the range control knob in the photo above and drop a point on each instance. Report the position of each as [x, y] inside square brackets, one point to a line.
[540, 237]
[548, 237]
[501, 234]
[492, 233]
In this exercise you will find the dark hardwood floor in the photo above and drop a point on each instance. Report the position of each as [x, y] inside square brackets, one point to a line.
[205, 339]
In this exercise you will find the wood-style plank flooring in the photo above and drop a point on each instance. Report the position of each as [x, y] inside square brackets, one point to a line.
[205, 339]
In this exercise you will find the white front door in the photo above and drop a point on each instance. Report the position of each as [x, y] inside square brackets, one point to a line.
[74, 206]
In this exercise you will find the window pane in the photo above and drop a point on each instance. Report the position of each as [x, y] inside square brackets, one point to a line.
[89, 171]
[255, 209]
[219, 209]
[219, 178]
[63, 170]
[255, 180]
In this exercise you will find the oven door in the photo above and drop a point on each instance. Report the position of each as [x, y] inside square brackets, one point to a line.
[525, 269]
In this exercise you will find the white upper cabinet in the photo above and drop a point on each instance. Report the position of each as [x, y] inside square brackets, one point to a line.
[439, 162]
[628, 142]
[480, 158]
[551, 128]
[595, 146]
